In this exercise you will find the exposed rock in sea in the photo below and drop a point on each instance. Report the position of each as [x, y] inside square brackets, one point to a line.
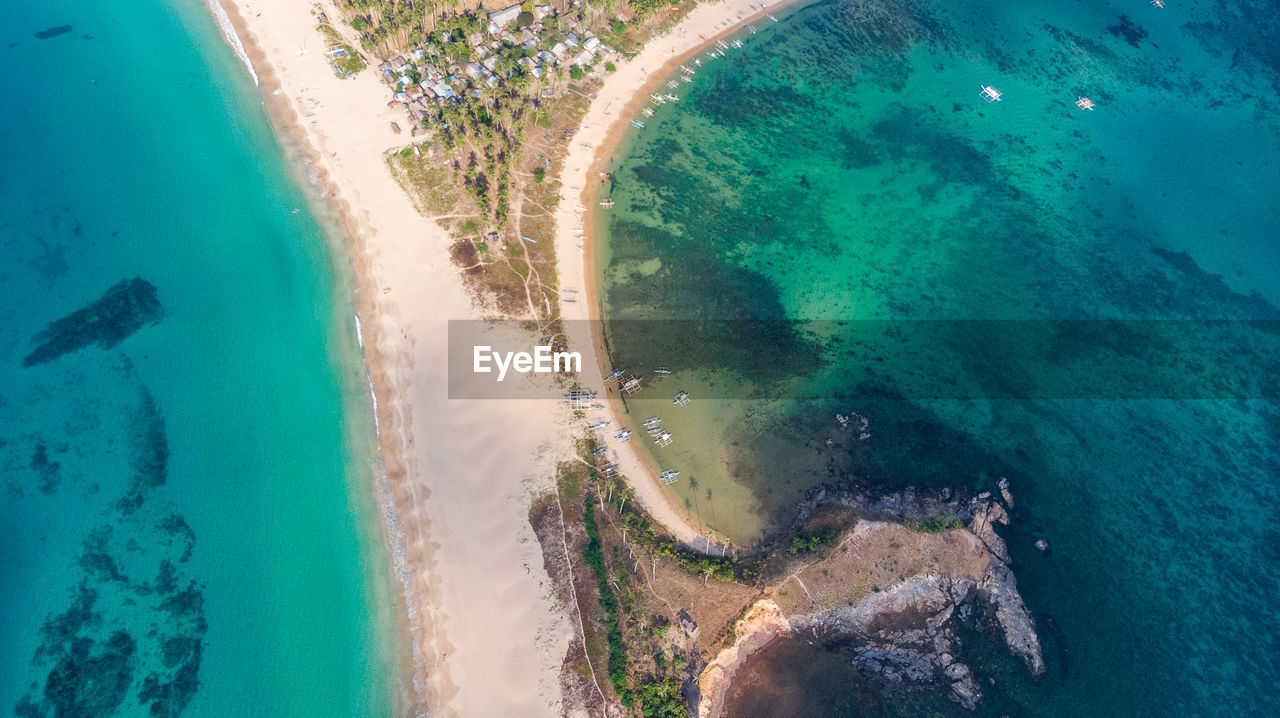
[905, 631]
[1004, 492]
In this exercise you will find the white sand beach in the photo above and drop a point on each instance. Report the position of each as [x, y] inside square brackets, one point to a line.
[487, 636]
[618, 101]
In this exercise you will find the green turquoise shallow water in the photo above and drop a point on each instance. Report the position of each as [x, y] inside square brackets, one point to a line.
[841, 176]
[188, 467]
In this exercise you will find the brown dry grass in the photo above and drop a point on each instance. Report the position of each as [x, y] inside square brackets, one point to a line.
[860, 563]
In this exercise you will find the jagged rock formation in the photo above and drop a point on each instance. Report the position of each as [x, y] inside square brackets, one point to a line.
[905, 631]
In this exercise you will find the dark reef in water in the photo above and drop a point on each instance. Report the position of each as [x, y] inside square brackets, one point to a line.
[131, 638]
[149, 454]
[1128, 30]
[46, 469]
[123, 310]
[53, 32]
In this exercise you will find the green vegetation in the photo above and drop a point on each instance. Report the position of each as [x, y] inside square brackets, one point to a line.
[539, 174]
[610, 67]
[575, 73]
[660, 698]
[593, 557]
[726, 568]
[804, 542]
[933, 524]
[343, 58]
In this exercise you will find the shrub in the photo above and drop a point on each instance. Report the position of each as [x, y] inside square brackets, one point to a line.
[660, 698]
[809, 543]
[575, 72]
[933, 524]
[610, 67]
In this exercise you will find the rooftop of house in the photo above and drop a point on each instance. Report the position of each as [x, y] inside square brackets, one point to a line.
[505, 15]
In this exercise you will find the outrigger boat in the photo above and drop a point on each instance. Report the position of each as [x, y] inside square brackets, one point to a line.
[673, 98]
[652, 422]
[647, 112]
[1084, 103]
[720, 44]
[600, 452]
[637, 123]
[669, 476]
[687, 70]
[599, 425]
[631, 385]
[656, 99]
[662, 370]
[736, 43]
[751, 29]
[1157, 3]
[686, 78]
[673, 84]
[606, 203]
[615, 375]
[580, 398]
[663, 438]
[989, 93]
[770, 16]
[681, 398]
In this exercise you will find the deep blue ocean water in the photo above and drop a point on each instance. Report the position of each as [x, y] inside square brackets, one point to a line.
[840, 176]
[186, 446]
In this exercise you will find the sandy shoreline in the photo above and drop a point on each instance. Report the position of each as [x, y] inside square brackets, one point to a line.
[619, 100]
[456, 514]
[455, 502]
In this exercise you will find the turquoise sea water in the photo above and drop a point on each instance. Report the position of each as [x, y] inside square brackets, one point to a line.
[841, 174]
[187, 458]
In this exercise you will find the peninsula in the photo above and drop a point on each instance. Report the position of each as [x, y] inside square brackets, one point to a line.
[457, 148]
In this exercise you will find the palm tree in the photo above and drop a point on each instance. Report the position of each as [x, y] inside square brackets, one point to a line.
[693, 486]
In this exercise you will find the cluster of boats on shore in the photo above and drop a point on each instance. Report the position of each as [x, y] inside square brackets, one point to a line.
[687, 73]
[629, 384]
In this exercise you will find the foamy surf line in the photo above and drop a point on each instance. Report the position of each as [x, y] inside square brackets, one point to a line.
[229, 33]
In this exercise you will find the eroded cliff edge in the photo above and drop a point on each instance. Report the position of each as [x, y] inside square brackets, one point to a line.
[947, 571]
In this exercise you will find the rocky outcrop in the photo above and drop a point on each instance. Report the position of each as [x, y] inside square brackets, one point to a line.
[905, 631]
[906, 634]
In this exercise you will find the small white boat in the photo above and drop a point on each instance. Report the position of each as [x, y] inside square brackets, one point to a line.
[1085, 103]
[989, 93]
[637, 123]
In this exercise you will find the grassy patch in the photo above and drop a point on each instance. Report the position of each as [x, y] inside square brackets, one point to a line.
[343, 58]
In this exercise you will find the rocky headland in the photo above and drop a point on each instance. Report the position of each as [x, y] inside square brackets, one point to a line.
[913, 566]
